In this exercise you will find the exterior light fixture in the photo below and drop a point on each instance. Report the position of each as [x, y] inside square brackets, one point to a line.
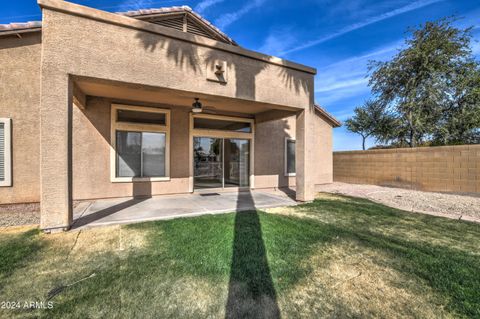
[197, 106]
[219, 69]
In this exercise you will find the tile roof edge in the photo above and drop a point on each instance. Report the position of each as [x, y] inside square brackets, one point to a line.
[328, 116]
[105, 16]
[31, 26]
[16, 27]
[175, 9]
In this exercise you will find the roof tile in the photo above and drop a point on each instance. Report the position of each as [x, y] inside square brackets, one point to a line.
[20, 26]
[330, 117]
[33, 25]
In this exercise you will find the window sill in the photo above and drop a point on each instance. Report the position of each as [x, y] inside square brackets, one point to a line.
[290, 175]
[139, 179]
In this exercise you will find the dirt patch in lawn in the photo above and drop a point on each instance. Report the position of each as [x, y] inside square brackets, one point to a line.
[84, 243]
[354, 282]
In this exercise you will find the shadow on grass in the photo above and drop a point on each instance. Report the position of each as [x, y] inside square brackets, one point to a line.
[251, 293]
[262, 256]
[16, 251]
[450, 272]
[360, 212]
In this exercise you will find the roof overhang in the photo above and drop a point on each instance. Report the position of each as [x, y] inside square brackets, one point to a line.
[327, 116]
[19, 28]
[142, 14]
[148, 14]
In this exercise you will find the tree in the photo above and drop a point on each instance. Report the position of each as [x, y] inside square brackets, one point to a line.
[368, 120]
[431, 86]
[361, 124]
[461, 119]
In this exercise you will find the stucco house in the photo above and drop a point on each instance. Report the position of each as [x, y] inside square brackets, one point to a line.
[96, 104]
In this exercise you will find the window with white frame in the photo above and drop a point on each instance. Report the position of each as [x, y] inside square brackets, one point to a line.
[140, 143]
[289, 157]
[5, 152]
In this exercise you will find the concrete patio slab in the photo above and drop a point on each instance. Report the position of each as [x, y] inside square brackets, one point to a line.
[133, 210]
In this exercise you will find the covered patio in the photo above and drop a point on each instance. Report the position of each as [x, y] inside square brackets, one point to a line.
[89, 150]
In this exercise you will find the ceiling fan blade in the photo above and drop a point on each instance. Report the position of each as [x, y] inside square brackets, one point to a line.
[209, 107]
[210, 111]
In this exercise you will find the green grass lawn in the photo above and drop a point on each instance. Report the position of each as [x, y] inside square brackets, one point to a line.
[335, 257]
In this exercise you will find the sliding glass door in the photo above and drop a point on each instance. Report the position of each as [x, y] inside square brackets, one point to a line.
[208, 163]
[236, 162]
[221, 162]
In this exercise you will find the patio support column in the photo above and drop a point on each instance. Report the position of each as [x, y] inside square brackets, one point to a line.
[55, 150]
[305, 155]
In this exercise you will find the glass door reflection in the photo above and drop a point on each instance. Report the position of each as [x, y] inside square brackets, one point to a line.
[221, 162]
[236, 163]
[208, 162]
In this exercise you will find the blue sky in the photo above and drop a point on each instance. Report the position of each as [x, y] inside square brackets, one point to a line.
[338, 37]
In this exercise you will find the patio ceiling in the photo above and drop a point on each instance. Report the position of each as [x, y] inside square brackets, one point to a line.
[146, 94]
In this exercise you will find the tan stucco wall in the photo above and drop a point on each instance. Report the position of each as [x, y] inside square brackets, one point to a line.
[270, 152]
[85, 47]
[100, 50]
[88, 48]
[80, 46]
[322, 139]
[19, 100]
[91, 155]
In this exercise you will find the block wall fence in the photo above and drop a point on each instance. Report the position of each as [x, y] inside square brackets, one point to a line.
[441, 169]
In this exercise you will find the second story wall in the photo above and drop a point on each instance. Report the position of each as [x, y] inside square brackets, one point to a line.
[86, 45]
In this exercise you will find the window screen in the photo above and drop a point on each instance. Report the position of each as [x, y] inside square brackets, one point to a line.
[140, 154]
[2, 152]
[5, 152]
[290, 157]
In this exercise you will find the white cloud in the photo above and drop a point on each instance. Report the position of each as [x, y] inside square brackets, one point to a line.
[277, 41]
[135, 5]
[229, 18]
[141, 4]
[347, 78]
[343, 114]
[410, 7]
[475, 47]
[378, 54]
[469, 20]
[205, 4]
[343, 93]
[352, 82]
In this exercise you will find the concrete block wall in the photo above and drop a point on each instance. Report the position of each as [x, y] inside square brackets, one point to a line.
[441, 169]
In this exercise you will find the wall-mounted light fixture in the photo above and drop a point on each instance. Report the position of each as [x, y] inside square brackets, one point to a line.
[197, 106]
[217, 71]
